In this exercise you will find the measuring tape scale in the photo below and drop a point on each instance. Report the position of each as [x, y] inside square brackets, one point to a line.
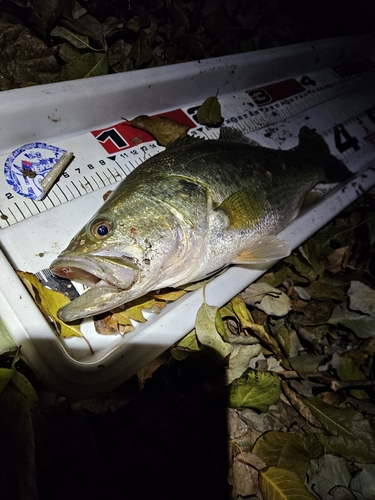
[265, 105]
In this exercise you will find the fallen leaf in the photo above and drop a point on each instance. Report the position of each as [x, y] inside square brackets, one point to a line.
[106, 325]
[49, 302]
[286, 450]
[7, 343]
[170, 296]
[209, 113]
[352, 435]
[255, 390]
[239, 360]
[362, 298]
[362, 325]
[268, 299]
[349, 370]
[328, 473]
[207, 332]
[164, 129]
[85, 66]
[281, 484]
[337, 260]
[25, 59]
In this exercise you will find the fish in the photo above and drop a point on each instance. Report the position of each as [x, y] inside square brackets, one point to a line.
[189, 211]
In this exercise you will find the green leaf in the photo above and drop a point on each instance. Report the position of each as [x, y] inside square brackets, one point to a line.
[312, 253]
[86, 27]
[239, 360]
[282, 484]
[339, 234]
[7, 343]
[276, 276]
[78, 41]
[207, 333]
[285, 450]
[301, 266]
[189, 342]
[268, 299]
[321, 290]
[85, 66]
[256, 390]
[209, 113]
[306, 364]
[362, 325]
[352, 435]
[141, 52]
[362, 298]
[348, 370]
[5, 377]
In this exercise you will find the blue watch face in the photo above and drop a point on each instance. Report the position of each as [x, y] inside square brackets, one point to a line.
[26, 167]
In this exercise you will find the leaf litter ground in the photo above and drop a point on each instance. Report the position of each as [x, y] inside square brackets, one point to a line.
[265, 396]
[272, 396]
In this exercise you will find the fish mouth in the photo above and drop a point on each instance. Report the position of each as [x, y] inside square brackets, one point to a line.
[96, 271]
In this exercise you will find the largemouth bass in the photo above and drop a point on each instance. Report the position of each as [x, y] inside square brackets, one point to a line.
[190, 211]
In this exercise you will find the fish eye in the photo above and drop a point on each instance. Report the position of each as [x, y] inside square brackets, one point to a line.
[101, 229]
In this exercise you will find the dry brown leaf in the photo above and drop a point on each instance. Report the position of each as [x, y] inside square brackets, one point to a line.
[163, 128]
[107, 325]
[337, 260]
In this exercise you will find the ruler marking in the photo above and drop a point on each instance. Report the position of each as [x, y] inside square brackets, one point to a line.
[56, 195]
[14, 217]
[96, 182]
[63, 192]
[70, 191]
[50, 200]
[16, 204]
[88, 183]
[78, 191]
[36, 206]
[4, 218]
[28, 207]
[104, 184]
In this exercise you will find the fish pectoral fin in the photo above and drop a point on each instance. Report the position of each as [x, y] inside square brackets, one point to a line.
[94, 301]
[243, 209]
[266, 249]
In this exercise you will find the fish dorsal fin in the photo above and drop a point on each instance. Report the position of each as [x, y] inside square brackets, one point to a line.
[266, 249]
[243, 209]
[234, 135]
[186, 140]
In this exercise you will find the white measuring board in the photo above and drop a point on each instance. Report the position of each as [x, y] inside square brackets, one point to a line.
[337, 99]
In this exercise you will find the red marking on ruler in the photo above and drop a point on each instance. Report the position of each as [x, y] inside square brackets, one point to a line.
[122, 136]
[263, 96]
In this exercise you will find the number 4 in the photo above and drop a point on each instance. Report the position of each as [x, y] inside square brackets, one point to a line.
[343, 140]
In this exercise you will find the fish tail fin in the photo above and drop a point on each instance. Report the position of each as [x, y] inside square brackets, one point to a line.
[313, 145]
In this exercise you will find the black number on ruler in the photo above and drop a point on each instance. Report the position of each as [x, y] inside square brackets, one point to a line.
[306, 80]
[66, 175]
[340, 133]
[9, 196]
[114, 136]
[260, 96]
[90, 166]
[78, 170]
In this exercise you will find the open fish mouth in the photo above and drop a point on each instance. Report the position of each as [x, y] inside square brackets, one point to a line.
[96, 271]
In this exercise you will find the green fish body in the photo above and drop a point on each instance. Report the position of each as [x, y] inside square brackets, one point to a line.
[188, 212]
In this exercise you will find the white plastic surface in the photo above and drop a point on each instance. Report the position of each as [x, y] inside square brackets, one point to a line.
[72, 108]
